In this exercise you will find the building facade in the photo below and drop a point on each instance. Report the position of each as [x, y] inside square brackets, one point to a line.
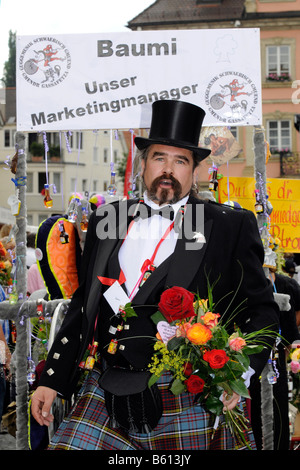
[75, 162]
[279, 24]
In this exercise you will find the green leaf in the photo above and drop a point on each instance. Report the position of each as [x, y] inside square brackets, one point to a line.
[129, 311]
[157, 317]
[253, 349]
[243, 360]
[214, 405]
[239, 387]
[153, 379]
[174, 343]
[177, 387]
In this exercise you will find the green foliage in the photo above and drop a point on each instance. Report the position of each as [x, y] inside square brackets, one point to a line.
[9, 78]
[37, 149]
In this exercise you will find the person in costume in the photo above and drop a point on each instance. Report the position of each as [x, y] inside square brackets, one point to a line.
[289, 332]
[221, 242]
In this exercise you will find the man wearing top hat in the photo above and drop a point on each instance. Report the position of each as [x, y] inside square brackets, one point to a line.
[203, 238]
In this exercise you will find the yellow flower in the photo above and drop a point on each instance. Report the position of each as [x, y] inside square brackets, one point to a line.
[295, 356]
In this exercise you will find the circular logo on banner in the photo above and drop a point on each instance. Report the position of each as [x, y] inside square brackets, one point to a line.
[231, 97]
[45, 62]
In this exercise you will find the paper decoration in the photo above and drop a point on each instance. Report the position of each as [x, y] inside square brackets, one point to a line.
[221, 142]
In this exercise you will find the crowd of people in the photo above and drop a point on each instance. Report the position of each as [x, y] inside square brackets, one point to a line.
[8, 274]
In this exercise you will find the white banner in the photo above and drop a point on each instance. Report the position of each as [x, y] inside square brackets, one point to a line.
[109, 81]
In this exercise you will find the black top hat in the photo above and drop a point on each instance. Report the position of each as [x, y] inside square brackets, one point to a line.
[177, 124]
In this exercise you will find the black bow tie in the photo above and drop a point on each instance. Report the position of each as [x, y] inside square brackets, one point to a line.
[143, 211]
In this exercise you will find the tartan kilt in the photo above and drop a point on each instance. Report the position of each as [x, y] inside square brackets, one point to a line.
[182, 426]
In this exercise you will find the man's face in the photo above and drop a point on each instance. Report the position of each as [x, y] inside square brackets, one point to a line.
[168, 173]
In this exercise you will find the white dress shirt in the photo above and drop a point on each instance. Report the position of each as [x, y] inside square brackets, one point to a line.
[141, 241]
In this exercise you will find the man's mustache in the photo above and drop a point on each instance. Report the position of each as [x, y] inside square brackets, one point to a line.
[176, 186]
[175, 183]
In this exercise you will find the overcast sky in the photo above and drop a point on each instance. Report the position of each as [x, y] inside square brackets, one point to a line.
[34, 17]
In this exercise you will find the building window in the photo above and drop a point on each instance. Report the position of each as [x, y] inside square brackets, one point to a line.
[9, 137]
[234, 132]
[278, 62]
[105, 155]
[95, 185]
[53, 139]
[57, 181]
[42, 180]
[79, 140]
[105, 185]
[96, 155]
[76, 140]
[279, 135]
[84, 185]
[73, 184]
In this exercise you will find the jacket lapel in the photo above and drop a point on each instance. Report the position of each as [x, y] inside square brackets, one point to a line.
[104, 252]
[187, 258]
[181, 267]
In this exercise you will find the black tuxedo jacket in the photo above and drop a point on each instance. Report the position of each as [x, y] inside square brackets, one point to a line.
[232, 255]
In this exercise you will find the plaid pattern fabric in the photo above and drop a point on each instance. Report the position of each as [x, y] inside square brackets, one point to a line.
[182, 426]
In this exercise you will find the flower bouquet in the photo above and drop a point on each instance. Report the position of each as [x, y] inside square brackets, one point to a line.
[5, 267]
[295, 359]
[204, 359]
[293, 367]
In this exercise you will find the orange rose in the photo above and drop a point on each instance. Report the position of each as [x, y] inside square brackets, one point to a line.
[183, 328]
[210, 319]
[199, 334]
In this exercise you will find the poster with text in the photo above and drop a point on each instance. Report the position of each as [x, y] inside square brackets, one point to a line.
[283, 194]
[110, 80]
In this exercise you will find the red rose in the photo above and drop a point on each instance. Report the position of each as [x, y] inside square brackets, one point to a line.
[194, 384]
[188, 369]
[216, 358]
[176, 303]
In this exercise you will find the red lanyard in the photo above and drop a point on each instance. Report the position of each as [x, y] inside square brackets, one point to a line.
[148, 263]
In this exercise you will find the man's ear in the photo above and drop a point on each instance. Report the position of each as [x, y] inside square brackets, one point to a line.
[142, 166]
[196, 175]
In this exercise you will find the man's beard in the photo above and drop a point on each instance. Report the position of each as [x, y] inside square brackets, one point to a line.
[164, 192]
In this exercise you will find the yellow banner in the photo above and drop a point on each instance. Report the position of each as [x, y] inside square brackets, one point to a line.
[283, 194]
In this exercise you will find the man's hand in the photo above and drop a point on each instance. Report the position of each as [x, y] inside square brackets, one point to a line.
[41, 403]
[230, 401]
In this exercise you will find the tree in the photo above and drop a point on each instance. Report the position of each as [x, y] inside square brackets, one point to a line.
[121, 167]
[9, 78]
